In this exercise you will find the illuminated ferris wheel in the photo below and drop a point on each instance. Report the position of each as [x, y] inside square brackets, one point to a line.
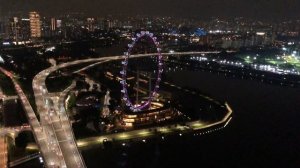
[146, 104]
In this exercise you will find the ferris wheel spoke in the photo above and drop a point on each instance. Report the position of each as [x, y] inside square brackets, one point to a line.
[144, 105]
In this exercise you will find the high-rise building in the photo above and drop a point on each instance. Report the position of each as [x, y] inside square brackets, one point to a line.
[14, 29]
[18, 30]
[91, 22]
[58, 23]
[108, 24]
[53, 24]
[35, 24]
[2, 28]
[24, 29]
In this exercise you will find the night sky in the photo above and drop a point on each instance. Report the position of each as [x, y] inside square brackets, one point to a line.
[257, 9]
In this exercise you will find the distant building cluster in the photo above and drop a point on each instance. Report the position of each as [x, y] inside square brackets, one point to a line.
[232, 33]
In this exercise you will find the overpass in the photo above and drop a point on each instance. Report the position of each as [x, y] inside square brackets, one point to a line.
[48, 148]
[41, 93]
[14, 130]
[53, 134]
[23, 160]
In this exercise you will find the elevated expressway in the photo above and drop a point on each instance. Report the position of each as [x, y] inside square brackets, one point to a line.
[54, 132]
[47, 149]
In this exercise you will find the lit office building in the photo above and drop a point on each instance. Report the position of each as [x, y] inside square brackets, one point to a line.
[91, 22]
[58, 23]
[35, 24]
[14, 29]
[53, 24]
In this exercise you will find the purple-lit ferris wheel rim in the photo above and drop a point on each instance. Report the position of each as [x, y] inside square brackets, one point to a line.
[146, 104]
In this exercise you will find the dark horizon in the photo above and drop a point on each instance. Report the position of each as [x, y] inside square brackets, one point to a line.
[270, 10]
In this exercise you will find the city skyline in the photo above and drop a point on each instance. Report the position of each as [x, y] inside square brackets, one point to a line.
[151, 84]
[271, 10]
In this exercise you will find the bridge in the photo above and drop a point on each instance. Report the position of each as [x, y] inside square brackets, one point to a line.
[48, 149]
[23, 160]
[14, 130]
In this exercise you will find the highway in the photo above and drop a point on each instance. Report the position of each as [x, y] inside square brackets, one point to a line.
[53, 121]
[23, 160]
[53, 133]
[47, 148]
[3, 152]
[5, 97]
[14, 130]
[69, 145]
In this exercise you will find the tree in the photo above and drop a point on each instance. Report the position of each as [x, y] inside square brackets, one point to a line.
[72, 101]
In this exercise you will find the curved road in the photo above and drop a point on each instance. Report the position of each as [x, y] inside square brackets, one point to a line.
[46, 148]
[53, 121]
